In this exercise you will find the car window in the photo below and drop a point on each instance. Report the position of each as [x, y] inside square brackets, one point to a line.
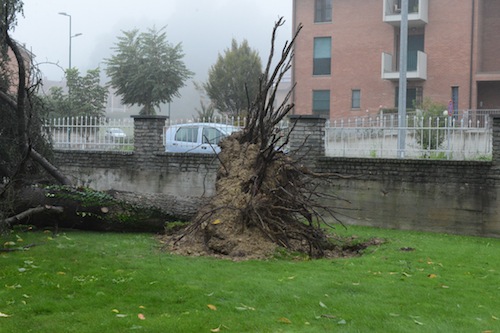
[187, 134]
[212, 135]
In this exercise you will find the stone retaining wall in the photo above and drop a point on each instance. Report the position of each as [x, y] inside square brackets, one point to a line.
[430, 195]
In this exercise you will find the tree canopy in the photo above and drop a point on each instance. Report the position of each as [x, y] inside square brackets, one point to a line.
[146, 69]
[87, 98]
[233, 81]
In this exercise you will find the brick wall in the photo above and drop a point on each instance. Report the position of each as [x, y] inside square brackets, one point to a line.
[359, 37]
[490, 39]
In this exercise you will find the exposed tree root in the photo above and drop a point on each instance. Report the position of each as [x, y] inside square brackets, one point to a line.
[262, 193]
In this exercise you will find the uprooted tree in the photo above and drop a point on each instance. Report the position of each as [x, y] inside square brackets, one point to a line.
[263, 195]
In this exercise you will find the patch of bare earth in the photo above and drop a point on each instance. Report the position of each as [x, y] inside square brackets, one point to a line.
[226, 242]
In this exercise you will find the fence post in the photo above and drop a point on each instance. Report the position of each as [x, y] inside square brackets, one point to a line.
[148, 136]
[307, 140]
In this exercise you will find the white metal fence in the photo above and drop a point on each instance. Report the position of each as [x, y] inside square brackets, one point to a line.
[463, 137]
[458, 138]
[91, 133]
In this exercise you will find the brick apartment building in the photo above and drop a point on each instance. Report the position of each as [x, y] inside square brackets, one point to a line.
[347, 54]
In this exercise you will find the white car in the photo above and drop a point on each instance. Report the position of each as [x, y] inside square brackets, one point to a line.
[115, 134]
[198, 138]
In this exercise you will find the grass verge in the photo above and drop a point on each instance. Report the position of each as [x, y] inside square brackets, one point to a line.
[101, 282]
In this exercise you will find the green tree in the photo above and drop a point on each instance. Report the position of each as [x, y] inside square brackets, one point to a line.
[233, 81]
[147, 70]
[430, 124]
[207, 111]
[87, 97]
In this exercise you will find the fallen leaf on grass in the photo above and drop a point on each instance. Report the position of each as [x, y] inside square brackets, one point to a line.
[4, 315]
[142, 307]
[212, 307]
[120, 315]
[244, 307]
[218, 329]
[216, 222]
[115, 311]
[141, 316]
[432, 276]
[328, 316]
[323, 305]
[494, 318]
[284, 320]
[14, 286]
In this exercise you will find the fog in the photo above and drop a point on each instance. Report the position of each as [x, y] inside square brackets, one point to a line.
[205, 29]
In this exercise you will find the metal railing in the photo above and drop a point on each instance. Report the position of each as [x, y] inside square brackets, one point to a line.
[464, 137]
[90, 133]
[459, 137]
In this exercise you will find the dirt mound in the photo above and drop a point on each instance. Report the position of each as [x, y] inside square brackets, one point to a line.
[223, 241]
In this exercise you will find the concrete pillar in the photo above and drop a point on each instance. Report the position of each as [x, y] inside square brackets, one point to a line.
[307, 140]
[148, 136]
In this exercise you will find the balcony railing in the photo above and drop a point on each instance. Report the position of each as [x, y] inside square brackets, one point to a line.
[418, 12]
[416, 67]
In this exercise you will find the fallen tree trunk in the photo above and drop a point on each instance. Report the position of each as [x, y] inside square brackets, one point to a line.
[31, 212]
[85, 209]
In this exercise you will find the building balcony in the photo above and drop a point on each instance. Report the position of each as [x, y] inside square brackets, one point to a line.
[418, 12]
[416, 67]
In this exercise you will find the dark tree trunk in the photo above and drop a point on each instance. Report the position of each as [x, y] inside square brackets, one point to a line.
[67, 207]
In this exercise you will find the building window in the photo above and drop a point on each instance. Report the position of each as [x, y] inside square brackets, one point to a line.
[454, 100]
[356, 99]
[323, 11]
[322, 56]
[321, 103]
[414, 97]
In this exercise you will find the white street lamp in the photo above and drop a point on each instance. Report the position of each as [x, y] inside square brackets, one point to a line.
[71, 36]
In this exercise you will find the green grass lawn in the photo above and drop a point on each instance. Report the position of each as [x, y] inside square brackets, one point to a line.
[102, 282]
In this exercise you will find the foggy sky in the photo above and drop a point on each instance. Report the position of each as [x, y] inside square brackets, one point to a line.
[204, 27]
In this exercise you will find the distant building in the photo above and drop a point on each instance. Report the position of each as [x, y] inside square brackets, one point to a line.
[12, 69]
[347, 55]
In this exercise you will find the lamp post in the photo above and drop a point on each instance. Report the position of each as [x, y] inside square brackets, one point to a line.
[71, 36]
[403, 52]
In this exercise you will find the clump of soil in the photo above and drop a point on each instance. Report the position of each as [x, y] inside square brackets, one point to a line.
[224, 241]
[228, 243]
